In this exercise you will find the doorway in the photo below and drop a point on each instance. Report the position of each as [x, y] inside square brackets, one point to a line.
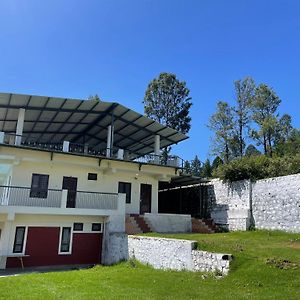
[70, 184]
[145, 198]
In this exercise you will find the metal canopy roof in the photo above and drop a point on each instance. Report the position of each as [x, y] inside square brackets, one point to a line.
[53, 120]
[181, 181]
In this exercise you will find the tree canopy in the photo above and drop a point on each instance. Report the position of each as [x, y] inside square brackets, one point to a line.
[167, 101]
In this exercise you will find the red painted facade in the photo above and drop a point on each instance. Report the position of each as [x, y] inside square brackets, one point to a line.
[42, 249]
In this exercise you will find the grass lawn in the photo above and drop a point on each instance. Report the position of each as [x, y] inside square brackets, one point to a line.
[266, 266]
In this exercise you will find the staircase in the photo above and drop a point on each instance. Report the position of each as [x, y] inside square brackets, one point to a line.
[204, 226]
[135, 224]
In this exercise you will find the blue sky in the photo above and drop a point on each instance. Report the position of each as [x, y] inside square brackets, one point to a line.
[114, 48]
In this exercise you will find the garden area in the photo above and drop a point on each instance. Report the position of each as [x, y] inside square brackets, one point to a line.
[266, 265]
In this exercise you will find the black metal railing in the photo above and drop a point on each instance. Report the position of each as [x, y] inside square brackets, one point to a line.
[115, 153]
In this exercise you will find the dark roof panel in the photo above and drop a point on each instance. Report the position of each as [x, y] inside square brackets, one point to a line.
[53, 119]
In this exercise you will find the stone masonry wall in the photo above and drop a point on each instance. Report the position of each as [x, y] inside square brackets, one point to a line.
[175, 254]
[275, 203]
[230, 204]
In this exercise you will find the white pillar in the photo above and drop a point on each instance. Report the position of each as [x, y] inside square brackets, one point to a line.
[157, 144]
[20, 126]
[7, 235]
[66, 145]
[1, 137]
[157, 148]
[110, 140]
[64, 198]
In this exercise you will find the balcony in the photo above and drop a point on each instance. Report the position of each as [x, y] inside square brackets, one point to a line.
[88, 150]
[52, 198]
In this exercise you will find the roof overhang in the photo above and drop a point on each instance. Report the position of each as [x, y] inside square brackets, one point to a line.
[53, 120]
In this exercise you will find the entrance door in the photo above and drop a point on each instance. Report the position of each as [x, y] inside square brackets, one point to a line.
[70, 184]
[145, 198]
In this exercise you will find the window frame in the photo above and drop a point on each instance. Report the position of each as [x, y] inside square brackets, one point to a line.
[124, 184]
[95, 230]
[92, 176]
[24, 237]
[78, 223]
[60, 252]
[39, 192]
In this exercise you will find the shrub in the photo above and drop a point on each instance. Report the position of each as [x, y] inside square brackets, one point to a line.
[258, 167]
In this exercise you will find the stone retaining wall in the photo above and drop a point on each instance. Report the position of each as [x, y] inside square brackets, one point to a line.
[272, 203]
[276, 203]
[175, 254]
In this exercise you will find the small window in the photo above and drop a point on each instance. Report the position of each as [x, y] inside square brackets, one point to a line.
[19, 240]
[92, 176]
[96, 227]
[65, 240]
[125, 188]
[78, 226]
[39, 186]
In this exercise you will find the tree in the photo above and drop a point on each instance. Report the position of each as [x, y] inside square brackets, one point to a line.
[245, 92]
[285, 127]
[251, 150]
[217, 162]
[94, 98]
[221, 122]
[264, 107]
[196, 166]
[187, 167]
[167, 101]
[206, 171]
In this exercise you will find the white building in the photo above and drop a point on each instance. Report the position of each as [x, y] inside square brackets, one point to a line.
[69, 172]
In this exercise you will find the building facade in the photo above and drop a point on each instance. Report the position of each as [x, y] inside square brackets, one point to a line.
[69, 172]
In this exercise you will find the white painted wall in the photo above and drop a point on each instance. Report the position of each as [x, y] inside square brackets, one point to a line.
[176, 254]
[169, 222]
[26, 162]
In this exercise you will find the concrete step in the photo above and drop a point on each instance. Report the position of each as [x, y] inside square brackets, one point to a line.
[131, 227]
[203, 226]
[141, 223]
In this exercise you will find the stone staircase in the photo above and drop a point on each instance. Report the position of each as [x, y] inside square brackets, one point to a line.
[204, 226]
[135, 224]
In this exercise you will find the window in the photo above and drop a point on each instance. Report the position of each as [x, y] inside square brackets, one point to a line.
[19, 240]
[92, 176]
[78, 226]
[39, 186]
[96, 226]
[125, 188]
[65, 240]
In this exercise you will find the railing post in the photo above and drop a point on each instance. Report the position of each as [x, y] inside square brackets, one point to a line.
[66, 146]
[86, 149]
[120, 154]
[1, 137]
[64, 198]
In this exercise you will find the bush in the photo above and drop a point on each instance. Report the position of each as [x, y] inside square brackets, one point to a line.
[258, 167]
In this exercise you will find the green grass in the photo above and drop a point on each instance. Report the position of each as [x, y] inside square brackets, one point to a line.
[266, 266]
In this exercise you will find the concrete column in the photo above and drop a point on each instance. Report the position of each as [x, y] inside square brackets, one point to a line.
[110, 140]
[157, 144]
[7, 235]
[20, 126]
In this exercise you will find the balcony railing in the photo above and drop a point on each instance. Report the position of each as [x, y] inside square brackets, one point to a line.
[115, 153]
[27, 197]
